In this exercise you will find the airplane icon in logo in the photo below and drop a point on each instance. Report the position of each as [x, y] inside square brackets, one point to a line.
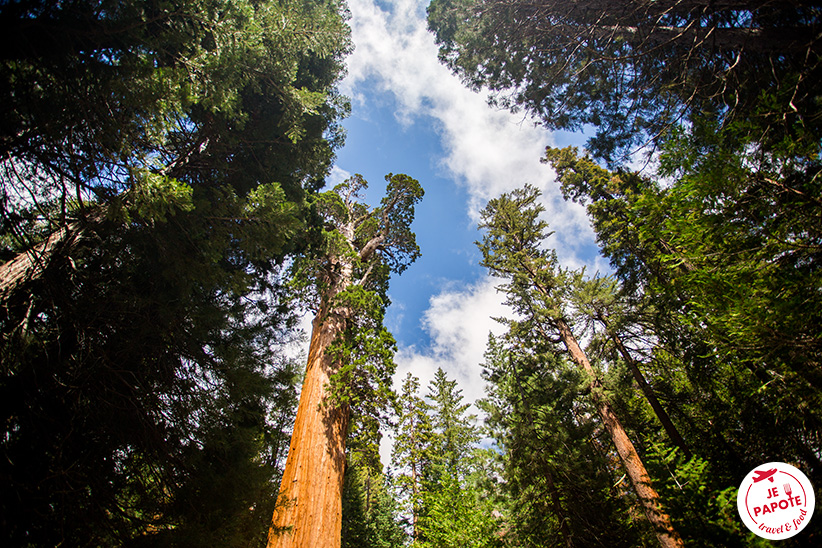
[766, 475]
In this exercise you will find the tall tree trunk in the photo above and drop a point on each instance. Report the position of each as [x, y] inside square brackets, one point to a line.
[309, 506]
[641, 481]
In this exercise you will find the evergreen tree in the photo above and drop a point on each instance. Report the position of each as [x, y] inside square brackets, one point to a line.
[707, 261]
[411, 454]
[439, 465]
[457, 515]
[558, 476]
[370, 511]
[635, 69]
[454, 432]
[714, 263]
[155, 169]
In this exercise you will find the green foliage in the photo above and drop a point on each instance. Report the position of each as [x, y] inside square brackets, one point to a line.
[365, 352]
[370, 513]
[133, 392]
[558, 476]
[705, 507]
[457, 515]
[718, 270]
[202, 92]
[453, 431]
[444, 479]
[635, 70]
[512, 250]
[411, 453]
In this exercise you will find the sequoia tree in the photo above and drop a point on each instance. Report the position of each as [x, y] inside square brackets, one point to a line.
[350, 357]
[538, 290]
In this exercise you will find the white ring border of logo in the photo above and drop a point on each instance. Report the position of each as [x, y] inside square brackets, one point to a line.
[744, 493]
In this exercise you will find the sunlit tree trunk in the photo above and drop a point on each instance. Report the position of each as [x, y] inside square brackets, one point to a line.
[308, 513]
[309, 506]
[641, 481]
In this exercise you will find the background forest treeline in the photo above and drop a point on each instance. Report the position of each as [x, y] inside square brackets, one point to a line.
[162, 226]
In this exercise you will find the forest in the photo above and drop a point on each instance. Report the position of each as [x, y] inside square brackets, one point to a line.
[168, 217]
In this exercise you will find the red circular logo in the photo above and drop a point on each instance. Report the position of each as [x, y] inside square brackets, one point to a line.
[776, 500]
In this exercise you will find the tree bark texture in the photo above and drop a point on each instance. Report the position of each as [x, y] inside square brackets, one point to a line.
[30, 265]
[641, 481]
[309, 506]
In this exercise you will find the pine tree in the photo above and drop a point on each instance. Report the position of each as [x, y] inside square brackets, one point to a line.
[558, 478]
[710, 259]
[454, 432]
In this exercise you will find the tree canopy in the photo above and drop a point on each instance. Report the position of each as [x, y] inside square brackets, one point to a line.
[634, 69]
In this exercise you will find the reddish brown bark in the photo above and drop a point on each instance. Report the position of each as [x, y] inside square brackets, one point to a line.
[641, 481]
[309, 506]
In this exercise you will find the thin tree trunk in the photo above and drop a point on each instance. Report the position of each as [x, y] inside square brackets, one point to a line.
[414, 495]
[650, 395]
[309, 506]
[641, 481]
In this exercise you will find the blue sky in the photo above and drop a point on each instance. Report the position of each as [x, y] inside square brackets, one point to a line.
[411, 115]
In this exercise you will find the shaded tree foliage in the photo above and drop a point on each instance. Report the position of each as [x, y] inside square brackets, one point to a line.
[155, 168]
[634, 69]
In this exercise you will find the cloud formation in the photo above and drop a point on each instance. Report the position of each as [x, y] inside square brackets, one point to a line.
[486, 150]
[458, 321]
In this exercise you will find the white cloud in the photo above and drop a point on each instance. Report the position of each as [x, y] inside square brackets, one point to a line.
[487, 150]
[337, 176]
[458, 322]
